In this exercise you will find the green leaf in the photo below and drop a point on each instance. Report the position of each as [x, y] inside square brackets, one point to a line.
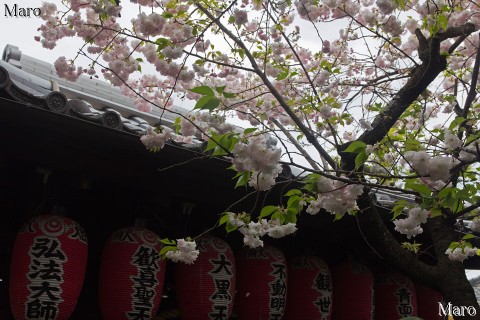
[207, 103]
[468, 236]
[435, 212]
[290, 217]
[282, 75]
[453, 245]
[400, 4]
[294, 203]
[446, 192]
[412, 145]
[229, 227]
[249, 130]
[241, 52]
[223, 219]
[164, 250]
[220, 89]
[267, 211]
[222, 144]
[293, 192]
[204, 90]
[456, 122]
[177, 125]
[360, 159]
[472, 137]
[168, 241]
[162, 43]
[442, 22]
[356, 147]
[311, 182]
[243, 180]
[211, 145]
[399, 207]
[226, 143]
[229, 95]
[277, 215]
[103, 16]
[414, 247]
[420, 188]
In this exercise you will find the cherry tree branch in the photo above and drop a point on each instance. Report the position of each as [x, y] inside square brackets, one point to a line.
[473, 85]
[433, 63]
[352, 181]
[308, 134]
[373, 226]
[465, 210]
[219, 63]
[421, 77]
[163, 108]
[307, 75]
[297, 145]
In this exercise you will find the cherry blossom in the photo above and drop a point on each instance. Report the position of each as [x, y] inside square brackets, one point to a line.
[186, 252]
[460, 254]
[359, 95]
[410, 226]
[155, 139]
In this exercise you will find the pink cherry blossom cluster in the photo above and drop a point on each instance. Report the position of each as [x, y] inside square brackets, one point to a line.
[261, 160]
[437, 167]
[325, 87]
[50, 33]
[186, 252]
[148, 92]
[469, 153]
[461, 253]
[475, 225]
[410, 226]
[206, 122]
[334, 196]
[253, 231]
[451, 140]
[155, 138]
[67, 69]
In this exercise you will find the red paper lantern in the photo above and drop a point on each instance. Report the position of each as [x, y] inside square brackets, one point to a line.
[261, 284]
[394, 297]
[310, 289]
[131, 275]
[206, 288]
[352, 292]
[48, 268]
[428, 303]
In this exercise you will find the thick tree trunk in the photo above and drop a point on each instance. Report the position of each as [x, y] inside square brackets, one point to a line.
[446, 276]
[452, 280]
[458, 292]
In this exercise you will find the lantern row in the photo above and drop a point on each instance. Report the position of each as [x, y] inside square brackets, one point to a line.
[49, 263]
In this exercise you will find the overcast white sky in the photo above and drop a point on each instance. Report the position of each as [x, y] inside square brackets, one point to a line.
[20, 32]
